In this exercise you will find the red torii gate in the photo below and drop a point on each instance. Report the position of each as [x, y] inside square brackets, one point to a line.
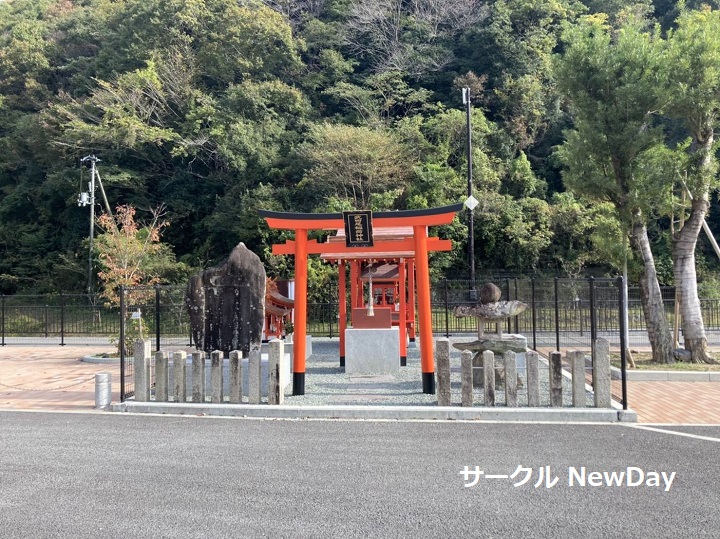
[420, 244]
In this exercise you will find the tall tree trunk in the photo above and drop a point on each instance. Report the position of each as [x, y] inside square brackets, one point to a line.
[683, 255]
[652, 302]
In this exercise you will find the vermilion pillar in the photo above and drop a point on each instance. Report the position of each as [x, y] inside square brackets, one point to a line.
[411, 298]
[354, 281]
[402, 315]
[427, 361]
[301, 260]
[342, 309]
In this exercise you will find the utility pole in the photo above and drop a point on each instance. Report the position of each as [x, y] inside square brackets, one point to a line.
[85, 199]
[471, 201]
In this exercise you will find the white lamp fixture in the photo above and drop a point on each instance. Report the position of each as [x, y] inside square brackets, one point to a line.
[371, 299]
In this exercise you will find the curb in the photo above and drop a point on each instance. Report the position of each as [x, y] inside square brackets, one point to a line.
[401, 413]
[666, 376]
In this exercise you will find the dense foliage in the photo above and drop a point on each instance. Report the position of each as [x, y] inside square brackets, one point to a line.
[215, 108]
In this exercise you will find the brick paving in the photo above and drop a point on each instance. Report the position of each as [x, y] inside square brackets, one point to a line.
[55, 378]
[52, 377]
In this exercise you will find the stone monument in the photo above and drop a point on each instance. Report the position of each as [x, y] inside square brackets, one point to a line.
[226, 304]
[490, 309]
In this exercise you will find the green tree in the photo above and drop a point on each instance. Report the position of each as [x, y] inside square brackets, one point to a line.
[611, 79]
[693, 69]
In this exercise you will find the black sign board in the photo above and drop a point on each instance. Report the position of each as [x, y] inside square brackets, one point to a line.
[358, 228]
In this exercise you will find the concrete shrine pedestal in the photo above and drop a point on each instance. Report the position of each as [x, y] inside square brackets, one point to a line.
[372, 351]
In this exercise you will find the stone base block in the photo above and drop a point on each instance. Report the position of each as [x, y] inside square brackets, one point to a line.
[372, 351]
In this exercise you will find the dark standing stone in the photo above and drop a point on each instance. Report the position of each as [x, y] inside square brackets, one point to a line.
[226, 303]
[489, 293]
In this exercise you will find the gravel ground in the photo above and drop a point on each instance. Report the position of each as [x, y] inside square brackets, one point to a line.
[326, 383]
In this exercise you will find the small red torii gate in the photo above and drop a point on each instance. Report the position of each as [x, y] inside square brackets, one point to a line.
[419, 246]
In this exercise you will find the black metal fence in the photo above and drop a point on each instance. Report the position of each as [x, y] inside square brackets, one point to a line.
[561, 313]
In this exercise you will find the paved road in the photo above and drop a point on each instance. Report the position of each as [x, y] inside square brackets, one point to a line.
[111, 475]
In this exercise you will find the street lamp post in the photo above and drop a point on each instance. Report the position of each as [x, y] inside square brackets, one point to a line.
[89, 199]
[471, 201]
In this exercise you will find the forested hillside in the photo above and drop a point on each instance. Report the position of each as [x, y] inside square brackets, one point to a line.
[211, 109]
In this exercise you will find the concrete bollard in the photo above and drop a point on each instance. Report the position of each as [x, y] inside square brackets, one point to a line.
[602, 381]
[276, 351]
[442, 360]
[466, 380]
[577, 363]
[510, 364]
[103, 391]
[216, 377]
[141, 370]
[254, 375]
[556, 398]
[179, 376]
[161, 376]
[489, 382]
[236, 377]
[198, 376]
[533, 372]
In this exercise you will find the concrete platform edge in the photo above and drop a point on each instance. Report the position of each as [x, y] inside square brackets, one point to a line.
[439, 413]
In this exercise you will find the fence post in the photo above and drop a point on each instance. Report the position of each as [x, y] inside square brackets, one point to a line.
[254, 376]
[141, 370]
[602, 379]
[157, 317]
[276, 386]
[577, 364]
[509, 320]
[556, 379]
[533, 371]
[442, 360]
[623, 342]
[447, 308]
[161, 376]
[216, 376]
[593, 314]
[557, 316]
[516, 297]
[510, 364]
[121, 293]
[179, 375]
[62, 320]
[488, 360]
[47, 321]
[198, 376]
[236, 377]
[2, 317]
[330, 318]
[534, 312]
[466, 370]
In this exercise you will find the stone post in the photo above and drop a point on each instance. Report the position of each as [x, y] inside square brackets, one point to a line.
[442, 360]
[466, 373]
[216, 377]
[198, 376]
[236, 377]
[510, 363]
[276, 392]
[161, 376]
[602, 380]
[179, 375]
[141, 370]
[488, 358]
[555, 367]
[533, 384]
[577, 362]
[103, 391]
[254, 375]
[478, 376]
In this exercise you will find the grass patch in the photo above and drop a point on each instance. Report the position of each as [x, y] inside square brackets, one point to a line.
[644, 362]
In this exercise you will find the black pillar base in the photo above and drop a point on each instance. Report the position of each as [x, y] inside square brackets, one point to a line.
[412, 339]
[299, 383]
[428, 381]
[403, 361]
[342, 361]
